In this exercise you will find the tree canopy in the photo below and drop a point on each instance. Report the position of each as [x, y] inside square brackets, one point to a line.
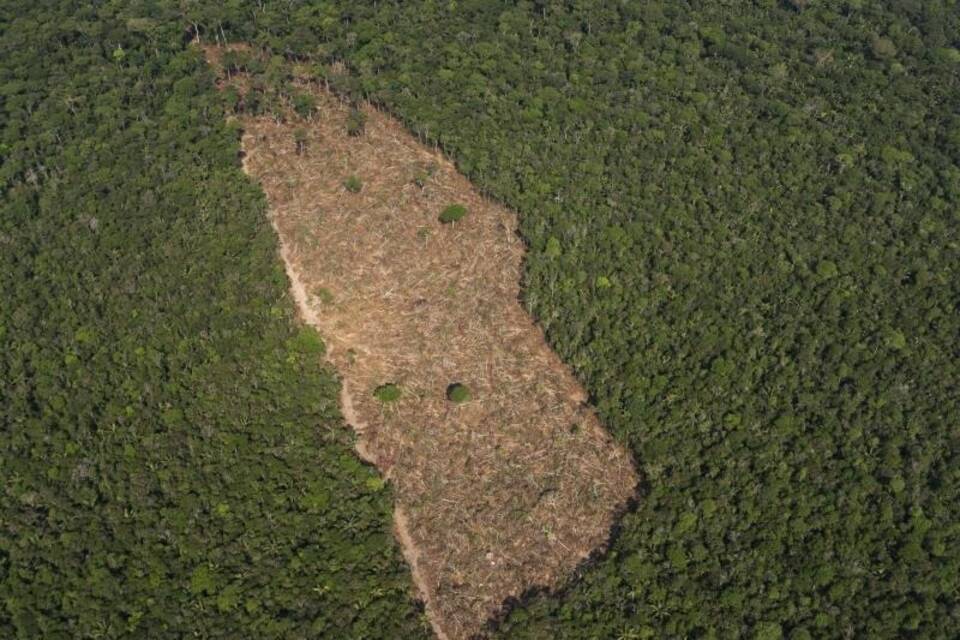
[742, 221]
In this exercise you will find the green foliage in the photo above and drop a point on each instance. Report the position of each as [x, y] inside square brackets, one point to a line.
[756, 210]
[883, 48]
[356, 122]
[325, 295]
[755, 205]
[553, 249]
[452, 213]
[423, 175]
[458, 393]
[827, 269]
[768, 631]
[172, 460]
[389, 392]
[304, 104]
[300, 139]
[353, 184]
[308, 342]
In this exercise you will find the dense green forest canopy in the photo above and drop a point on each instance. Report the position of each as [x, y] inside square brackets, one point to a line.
[742, 220]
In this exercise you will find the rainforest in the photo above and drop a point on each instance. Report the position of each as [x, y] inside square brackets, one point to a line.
[739, 233]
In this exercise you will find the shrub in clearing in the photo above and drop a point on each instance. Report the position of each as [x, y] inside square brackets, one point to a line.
[387, 392]
[353, 184]
[458, 393]
[325, 295]
[453, 213]
[356, 122]
[420, 179]
[304, 104]
[300, 139]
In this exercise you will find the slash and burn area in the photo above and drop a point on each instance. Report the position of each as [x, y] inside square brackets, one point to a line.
[504, 478]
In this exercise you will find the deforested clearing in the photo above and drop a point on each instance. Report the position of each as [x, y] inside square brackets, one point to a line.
[504, 478]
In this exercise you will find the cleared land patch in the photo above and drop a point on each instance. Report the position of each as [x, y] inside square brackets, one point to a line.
[503, 476]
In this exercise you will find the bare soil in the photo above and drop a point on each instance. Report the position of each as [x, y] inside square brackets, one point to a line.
[507, 491]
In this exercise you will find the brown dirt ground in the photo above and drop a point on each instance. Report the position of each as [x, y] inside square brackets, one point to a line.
[510, 490]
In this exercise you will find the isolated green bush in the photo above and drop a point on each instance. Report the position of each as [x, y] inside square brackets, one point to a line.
[423, 175]
[389, 392]
[356, 122]
[458, 392]
[353, 184]
[325, 295]
[304, 104]
[300, 140]
[452, 213]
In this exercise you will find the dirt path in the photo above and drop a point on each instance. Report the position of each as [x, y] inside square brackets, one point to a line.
[507, 491]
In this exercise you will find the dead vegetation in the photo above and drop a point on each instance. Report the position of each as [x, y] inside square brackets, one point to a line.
[502, 490]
